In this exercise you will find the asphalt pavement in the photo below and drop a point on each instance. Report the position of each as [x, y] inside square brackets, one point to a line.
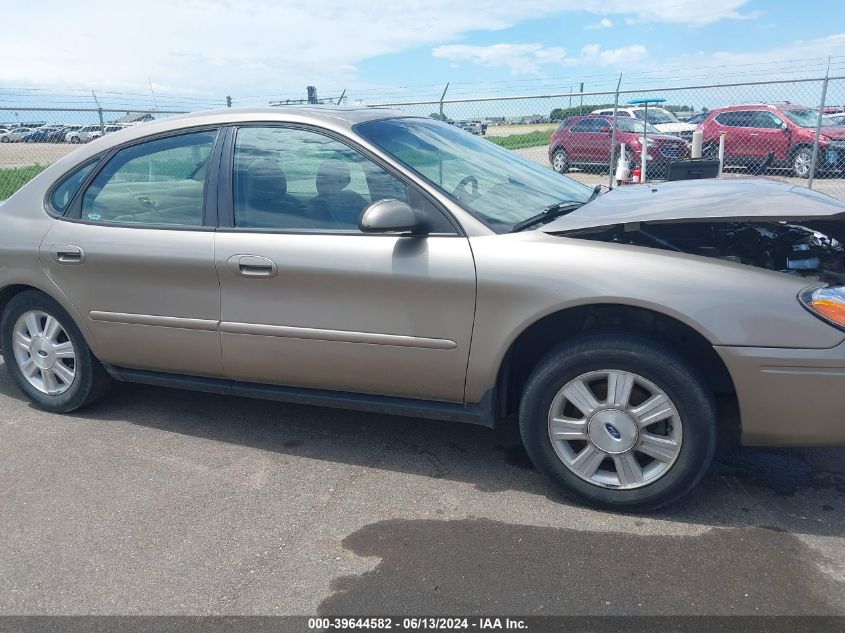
[164, 502]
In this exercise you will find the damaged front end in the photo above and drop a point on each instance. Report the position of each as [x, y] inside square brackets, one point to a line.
[756, 222]
[784, 247]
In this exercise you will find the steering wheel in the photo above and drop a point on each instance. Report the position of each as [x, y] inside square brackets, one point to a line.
[463, 193]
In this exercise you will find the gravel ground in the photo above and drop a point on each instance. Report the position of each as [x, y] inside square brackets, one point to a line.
[165, 502]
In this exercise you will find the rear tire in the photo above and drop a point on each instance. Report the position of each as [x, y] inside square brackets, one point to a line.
[560, 161]
[47, 355]
[611, 455]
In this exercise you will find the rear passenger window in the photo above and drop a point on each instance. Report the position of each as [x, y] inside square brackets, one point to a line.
[64, 193]
[160, 182]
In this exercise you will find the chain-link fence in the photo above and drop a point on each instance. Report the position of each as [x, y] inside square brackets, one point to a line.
[32, 139]
[792, 130]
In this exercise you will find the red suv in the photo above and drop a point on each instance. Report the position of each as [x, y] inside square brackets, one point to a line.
[585, 141]
[785, 130]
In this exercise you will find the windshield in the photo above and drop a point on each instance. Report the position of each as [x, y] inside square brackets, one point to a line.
[807, 118]
[636, 126]
[657, 116]
[497, 186]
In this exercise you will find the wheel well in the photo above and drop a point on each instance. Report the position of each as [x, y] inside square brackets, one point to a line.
[532, 344]
[7, 293]
[798, 146]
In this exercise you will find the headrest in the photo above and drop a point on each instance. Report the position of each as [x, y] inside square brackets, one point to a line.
[265, 182]
[333, 176]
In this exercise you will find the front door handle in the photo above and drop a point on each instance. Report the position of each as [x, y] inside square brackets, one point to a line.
[253, 266]
[67, 254]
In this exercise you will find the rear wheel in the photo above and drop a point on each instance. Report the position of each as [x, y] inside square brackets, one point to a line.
[47, 356]
[618, 421]
[560, 161]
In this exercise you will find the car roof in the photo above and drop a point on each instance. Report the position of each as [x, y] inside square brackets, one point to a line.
[337, 118]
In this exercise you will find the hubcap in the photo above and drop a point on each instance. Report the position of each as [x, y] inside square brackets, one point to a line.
[802, 163]
[559, 161]
[44, 352]
[615, 429]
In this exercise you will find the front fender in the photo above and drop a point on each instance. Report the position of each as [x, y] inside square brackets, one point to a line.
[525, 277]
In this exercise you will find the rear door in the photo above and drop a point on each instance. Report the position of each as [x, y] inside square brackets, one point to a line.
[136, 259]
[310, 301]
[590, 143]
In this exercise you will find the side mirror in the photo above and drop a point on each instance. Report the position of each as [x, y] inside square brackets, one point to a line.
[389, 216]
[606, 130]
[784, 127]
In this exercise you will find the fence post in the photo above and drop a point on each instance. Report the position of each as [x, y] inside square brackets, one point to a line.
[443, 96]
[613, 133]
[99, 111]
[818, 128]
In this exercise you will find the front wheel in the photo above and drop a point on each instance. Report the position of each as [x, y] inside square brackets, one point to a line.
[47, 355]
[618, 421]
[801, 162]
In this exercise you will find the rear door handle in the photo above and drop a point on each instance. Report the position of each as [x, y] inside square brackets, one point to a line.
[253, 266]
[67, 254]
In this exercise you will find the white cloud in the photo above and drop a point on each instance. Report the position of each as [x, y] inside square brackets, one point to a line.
[219, 47]
[520, 59]
[604, 23]
[524, 59]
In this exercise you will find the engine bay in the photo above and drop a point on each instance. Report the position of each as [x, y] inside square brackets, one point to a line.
[811, 250]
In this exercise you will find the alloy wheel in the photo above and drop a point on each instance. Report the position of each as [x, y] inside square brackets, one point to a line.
[615, 429]
[44, 352]
[801, 165]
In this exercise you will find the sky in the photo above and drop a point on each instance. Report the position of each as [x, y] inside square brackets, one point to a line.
[192, 54]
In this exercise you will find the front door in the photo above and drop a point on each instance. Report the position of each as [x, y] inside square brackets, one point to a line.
[310, 301]
[137, 262]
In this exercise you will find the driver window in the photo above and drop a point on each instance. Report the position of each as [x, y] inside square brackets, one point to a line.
[290, 178]
[158, 182]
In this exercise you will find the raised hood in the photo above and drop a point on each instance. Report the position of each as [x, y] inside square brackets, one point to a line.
[706, 200]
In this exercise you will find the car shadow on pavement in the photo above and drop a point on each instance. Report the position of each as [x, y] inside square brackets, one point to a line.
[792, 490]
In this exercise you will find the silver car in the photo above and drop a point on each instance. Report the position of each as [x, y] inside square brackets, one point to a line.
[365, 259]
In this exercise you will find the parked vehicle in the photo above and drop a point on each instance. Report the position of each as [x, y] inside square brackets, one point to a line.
[473, 127]
[661, 118]
[838, 118]
[585, 141]
[787, 131]
[84, 134]
[695, 119]
[40, 135]
[61, 133]
[14, 135]
[366, 259]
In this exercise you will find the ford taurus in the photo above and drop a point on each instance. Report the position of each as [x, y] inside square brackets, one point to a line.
[368, 259]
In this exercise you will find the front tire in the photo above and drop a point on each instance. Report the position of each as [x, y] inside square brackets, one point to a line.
[47, 355]
[802, 159]
[618, 421]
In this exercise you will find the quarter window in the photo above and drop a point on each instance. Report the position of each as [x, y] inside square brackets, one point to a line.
[160, 182]
[64, 193]
[289, 178]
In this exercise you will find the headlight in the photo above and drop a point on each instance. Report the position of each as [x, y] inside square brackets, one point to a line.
[826, 303]
[649, 142]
